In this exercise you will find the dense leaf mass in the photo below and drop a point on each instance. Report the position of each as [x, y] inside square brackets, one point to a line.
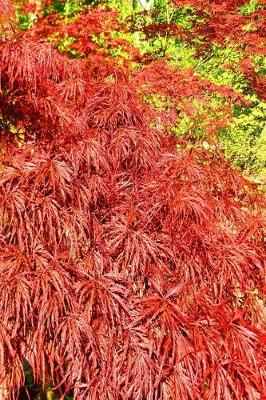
[130, 268]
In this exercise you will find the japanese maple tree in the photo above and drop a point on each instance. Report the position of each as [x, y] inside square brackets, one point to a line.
[131, 265]
[202, 28]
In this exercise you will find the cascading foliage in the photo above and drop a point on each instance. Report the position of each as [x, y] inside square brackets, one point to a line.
[130, 268]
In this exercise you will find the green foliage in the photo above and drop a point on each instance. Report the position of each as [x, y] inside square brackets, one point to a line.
[249, 7]
[220, 66]
[244, 140]
[27, 20]
[65, 8]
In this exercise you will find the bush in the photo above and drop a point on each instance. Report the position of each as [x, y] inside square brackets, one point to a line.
[129, 269]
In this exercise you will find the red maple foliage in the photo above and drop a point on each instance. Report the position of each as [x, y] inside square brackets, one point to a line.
[83, 30]
[129, 270]
[214, 23]
[222, 21]
[255, 80]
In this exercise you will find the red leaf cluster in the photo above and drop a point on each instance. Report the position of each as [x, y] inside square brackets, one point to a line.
[256, 81]
[223, 21]
[128, 269]
[83, 30]
[5, 8]
[159, 77]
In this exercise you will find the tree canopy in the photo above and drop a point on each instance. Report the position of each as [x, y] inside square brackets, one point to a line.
[132, 262]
